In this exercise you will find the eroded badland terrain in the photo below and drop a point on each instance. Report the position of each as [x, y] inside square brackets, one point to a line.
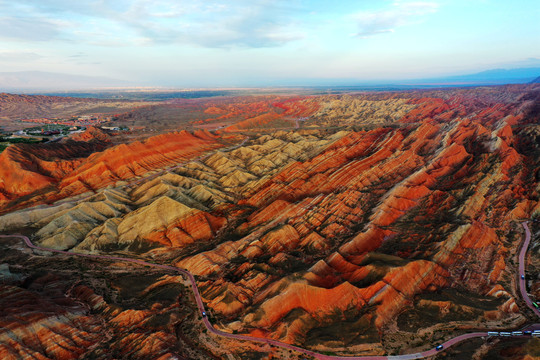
[355, 224]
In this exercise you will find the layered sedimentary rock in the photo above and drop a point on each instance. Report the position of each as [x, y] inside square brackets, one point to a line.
[405, 211]
[255, 122]
[54, 320]
[54, 171]
[127, 161]
[356, 111]
[393, 183]
[25, 169]
[41, 328]
[92, 133]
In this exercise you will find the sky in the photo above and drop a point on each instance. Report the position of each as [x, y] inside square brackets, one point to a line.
[235, 43]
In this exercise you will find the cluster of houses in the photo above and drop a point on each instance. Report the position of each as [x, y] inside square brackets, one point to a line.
[83, 120]
[46, 131]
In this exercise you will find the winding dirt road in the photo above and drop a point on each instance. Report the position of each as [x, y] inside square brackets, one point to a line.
[315, 355]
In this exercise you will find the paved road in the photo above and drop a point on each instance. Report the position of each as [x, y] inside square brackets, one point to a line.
[316, 355]
[522, 261]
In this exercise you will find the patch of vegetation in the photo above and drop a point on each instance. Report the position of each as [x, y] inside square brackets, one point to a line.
[533, 347]
[159, 320]
[253, 355]
[516, 348]
[464, 350]
[47, 127]
[130, 286]
[165, 294]
[293, 265]
[429, 315]
[8, 141]
[138, 246]
[264, 258]
[464, 306]
[378, 259]
[239, 259]
[462, 296]
[349, 327]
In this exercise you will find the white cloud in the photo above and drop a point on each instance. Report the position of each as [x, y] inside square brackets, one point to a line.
[24, 28]
[19, 56]
[400, 13]
[215, 24]
[235, 24]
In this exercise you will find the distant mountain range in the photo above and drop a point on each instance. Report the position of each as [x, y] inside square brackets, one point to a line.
[488, 77]
[45, 82]
[29, 81]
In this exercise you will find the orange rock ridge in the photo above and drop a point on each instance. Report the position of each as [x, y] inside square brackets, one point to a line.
[22, 172]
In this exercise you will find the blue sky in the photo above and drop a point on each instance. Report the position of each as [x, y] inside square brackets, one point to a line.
[257, 42]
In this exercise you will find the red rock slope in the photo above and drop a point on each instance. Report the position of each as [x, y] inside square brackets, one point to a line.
[69, 169]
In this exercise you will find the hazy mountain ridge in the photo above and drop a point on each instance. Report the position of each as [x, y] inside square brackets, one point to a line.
[39, 80]
[43, 82]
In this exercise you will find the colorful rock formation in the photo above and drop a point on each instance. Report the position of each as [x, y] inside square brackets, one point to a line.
[51, 172]
[382, 206]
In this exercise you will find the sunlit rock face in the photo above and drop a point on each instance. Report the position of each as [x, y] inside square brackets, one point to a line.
[381, 213]
[92, 133]
[49, 172]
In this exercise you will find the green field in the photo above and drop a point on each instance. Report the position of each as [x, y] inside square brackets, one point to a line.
[5, 142]
[48, 127]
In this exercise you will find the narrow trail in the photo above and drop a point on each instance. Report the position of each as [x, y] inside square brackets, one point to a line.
[277, 343]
